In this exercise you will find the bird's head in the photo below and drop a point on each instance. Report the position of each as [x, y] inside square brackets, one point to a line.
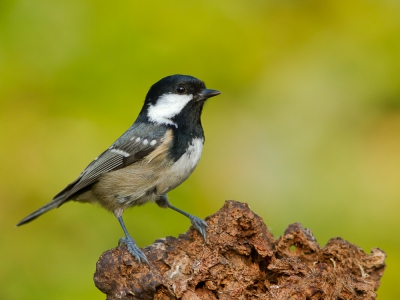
[176, 98]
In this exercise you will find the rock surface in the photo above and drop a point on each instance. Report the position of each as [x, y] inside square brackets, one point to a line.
[242, 260]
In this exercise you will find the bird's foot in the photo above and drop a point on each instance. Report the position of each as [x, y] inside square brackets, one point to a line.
[134, 250]
[199, 224]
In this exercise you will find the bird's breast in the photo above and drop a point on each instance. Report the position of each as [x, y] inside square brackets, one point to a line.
[180, 170]
[191, 157]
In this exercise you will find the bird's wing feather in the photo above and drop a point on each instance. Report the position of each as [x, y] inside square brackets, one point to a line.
[130, 148]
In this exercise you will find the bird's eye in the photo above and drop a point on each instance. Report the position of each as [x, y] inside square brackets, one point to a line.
[180, 89]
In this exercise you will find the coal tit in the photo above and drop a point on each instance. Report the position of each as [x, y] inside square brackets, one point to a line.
[155, 155]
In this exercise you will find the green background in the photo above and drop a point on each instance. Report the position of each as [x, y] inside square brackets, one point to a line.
[307, 128]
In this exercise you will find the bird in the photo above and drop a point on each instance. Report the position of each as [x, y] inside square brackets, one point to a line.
[155, 155]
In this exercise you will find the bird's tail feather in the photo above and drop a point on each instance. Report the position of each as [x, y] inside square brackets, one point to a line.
[52, 204]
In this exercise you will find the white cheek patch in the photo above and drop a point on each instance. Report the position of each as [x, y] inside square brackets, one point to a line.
[167, 106]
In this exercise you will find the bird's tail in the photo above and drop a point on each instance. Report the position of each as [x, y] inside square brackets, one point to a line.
[57, 201]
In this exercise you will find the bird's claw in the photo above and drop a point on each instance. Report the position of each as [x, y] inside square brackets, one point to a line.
[134, 250]
[200, 225]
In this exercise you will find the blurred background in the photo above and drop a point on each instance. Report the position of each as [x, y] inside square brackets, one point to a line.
[307, 128]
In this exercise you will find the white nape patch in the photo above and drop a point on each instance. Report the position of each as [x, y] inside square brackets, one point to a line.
[137, 140]
[120, 152]
[166, 107]
[153, 142]
[145, 142]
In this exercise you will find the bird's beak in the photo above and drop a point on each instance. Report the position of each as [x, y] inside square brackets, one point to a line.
[207, 93]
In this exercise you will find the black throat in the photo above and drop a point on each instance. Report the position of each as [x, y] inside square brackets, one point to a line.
[188, 128]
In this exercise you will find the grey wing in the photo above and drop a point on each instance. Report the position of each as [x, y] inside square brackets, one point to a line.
[131, 147]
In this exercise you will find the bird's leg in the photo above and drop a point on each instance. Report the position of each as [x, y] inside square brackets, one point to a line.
[198, 223]
[130, 242]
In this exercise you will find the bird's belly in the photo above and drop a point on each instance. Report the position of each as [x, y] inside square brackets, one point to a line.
[125, 187]
[139, 183]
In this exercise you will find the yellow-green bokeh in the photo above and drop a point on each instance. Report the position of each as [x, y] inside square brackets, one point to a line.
[307, 128]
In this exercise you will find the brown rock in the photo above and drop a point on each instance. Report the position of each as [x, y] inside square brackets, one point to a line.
[241, 260]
